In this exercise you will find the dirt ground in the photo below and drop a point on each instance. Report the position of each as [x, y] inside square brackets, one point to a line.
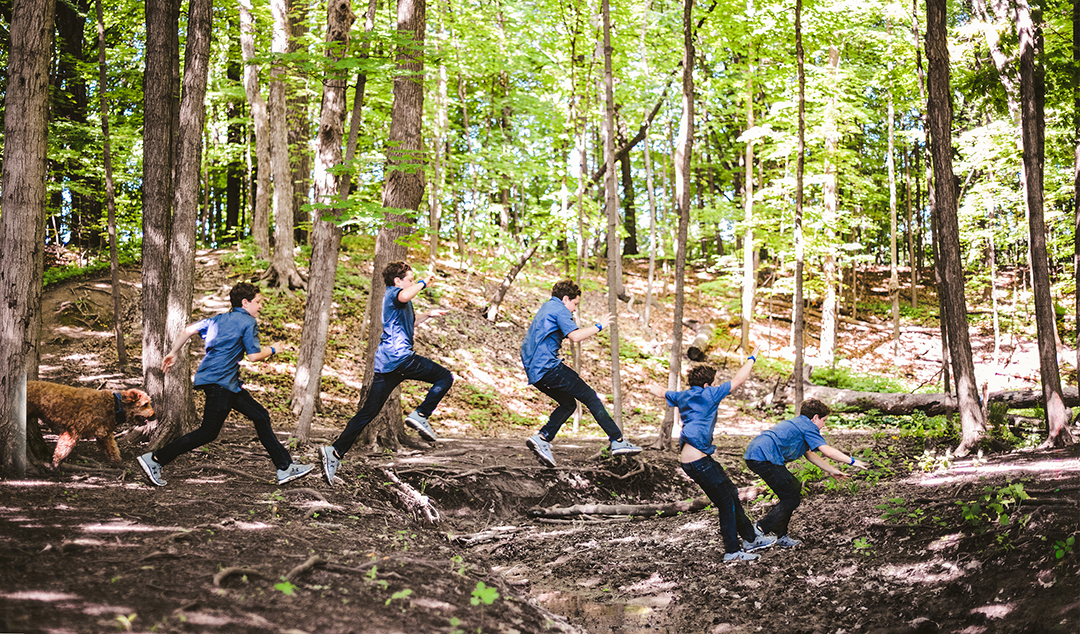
[899, 548]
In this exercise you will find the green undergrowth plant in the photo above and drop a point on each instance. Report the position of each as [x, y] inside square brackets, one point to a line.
[994, 506]
[57, 274]
[842, 378]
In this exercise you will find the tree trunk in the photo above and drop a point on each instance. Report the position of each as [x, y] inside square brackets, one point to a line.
[177, 406]
[799, 326]
[953, 301]
[699, 347]
[1032, 94]
[1076, 174]
[161, 110]
[683, 154]
[894, 276]
[110, 197]
[830, 305]
[282, 271]
[492, 309]
[748, 278]
[296, 104]
[611, 205]
[403, 189]
[326, 233]
[260, 221]
[22, 224]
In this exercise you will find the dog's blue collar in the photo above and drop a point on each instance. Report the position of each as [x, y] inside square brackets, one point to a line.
[119, 408]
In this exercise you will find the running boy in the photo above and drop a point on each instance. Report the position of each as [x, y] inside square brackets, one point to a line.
[697, 409]
[395, 361]
[228, 337]
[540, 356]
[769, 452]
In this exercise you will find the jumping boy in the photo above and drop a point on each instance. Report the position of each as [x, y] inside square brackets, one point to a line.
[697, 409]
[395, 362]
[540, 356]
[228, 337]
[768, 453]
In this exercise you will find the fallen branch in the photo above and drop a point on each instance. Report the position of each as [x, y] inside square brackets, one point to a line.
[224, 574]
[653, 510]
[311, 562]
[413, 500]
[235, 472]
[490, 534]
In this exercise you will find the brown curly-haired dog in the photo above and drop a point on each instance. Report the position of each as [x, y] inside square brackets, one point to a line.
[82, 412]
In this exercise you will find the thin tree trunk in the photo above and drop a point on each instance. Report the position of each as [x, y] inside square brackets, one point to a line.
[830, 309]
[110, 198]
[326, 233]
[282, 271]
[1032, 95]
[611, 204]
[894, 276]
[260, 117]
[799, 327]
[403, 189]
[953, 301]
[178, 405]
[749, 281]
[492, 309]
[161, 111]
[912, 234]
[683, 154]
[22, 224]
[1076, 173]
[297, 119]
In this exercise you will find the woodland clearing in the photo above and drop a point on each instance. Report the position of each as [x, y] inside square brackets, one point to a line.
[913, 544]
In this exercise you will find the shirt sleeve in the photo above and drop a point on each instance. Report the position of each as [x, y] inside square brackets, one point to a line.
[566, 321]
[717, 393]
[251, 338]
[813, 438]
[672, 398]
[394, 292]
[202, 326]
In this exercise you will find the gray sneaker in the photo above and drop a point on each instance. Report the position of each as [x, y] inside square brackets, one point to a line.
[330, 462]
[420, 424]
[762, 541]
[788, 542]
[542, 449]
[293, 472]
[152, 468]
[624, 448]
[742, 555]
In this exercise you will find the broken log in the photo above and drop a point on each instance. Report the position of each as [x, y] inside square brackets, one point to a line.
[699, 348]
[900, 404]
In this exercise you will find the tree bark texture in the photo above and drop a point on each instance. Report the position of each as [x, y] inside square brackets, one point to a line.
[830, 304]
[326, 233]
[952, 294]
[110, 196]
[683, 153]
[22, 223]
[161, 110]
[800, 249]
[1032, 88]
[260, 117]
[611, 206]
[402, 190]
[177, 406]
[282, 272]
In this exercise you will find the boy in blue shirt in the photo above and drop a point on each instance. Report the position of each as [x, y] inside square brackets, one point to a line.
[227, 337]
[540, 356]
[697, 410]
[769, 452]
[395, 362]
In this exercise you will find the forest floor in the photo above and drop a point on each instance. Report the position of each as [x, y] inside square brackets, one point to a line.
[913, 544]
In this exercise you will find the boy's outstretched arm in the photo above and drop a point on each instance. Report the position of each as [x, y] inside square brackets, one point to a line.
[744, 372]
[657, 391]
[181, 339]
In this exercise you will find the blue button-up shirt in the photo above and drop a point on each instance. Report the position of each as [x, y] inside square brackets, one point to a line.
[697, 410]
[399, 321]
[786, 441]
[227, 337]
[540, 350]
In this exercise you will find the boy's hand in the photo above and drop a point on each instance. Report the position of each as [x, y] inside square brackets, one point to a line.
[754, 353]
[840, 475]
[438, 312]
[167, 363]
[657, 391]
[604, 320]
[859, 464]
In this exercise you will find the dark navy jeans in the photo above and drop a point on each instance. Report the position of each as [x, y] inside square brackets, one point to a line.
[382, 385]
[566, 387]
[712, 479]
[788, 490]
[219, 402]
